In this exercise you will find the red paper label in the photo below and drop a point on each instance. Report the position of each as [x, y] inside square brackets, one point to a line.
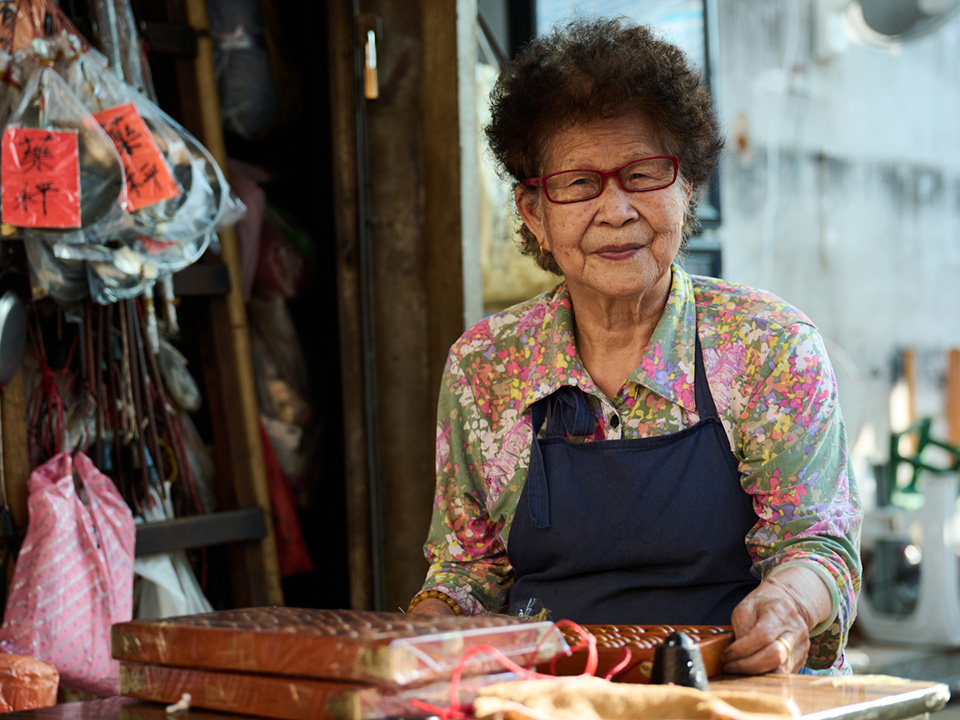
[149, 180]
[40, 172]
[154, 246]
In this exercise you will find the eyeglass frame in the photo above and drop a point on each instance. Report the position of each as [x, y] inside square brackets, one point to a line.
[541, 181]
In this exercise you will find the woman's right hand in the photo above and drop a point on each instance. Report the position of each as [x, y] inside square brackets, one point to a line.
[432, 606]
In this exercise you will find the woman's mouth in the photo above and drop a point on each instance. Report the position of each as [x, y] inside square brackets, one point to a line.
[618, 252]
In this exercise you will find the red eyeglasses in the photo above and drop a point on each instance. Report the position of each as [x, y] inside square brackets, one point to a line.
[643, 175]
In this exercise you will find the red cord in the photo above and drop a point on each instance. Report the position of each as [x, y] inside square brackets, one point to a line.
[622, 663]
[456, 709]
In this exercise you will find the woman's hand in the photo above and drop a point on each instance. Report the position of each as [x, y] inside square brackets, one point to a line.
[431, 606]
[772, 624]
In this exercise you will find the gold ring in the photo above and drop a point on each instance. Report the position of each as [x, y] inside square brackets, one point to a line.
[786, 645]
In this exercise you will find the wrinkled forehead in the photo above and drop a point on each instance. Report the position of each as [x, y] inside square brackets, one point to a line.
[601, 143]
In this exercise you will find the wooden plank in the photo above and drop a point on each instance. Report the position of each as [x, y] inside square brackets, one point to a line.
[342, 56]
[255, 566]
[196, 531]
[442, 185]
[910, 378]
[953, 397]
[873, 697]
[16, 460]
[909, 444]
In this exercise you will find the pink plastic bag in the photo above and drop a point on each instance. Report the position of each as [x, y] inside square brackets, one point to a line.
[74, 574]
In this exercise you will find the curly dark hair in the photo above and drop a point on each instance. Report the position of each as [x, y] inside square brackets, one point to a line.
[598, 69]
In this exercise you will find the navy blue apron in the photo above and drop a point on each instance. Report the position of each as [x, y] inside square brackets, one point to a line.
[639, 531]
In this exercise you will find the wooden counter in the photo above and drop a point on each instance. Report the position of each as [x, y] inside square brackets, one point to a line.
[865, 697]
[870, 697]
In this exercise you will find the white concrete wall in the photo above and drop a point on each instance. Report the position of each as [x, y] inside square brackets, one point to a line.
[840, 192]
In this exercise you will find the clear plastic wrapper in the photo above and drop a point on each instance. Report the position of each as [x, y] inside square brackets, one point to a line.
[124, 276]
[49, 104]
[361, 646]
[63, 280]
[177, 379]
[291, 698]
[11, 84]
[120, 41]
[195, 208]
[129, 197]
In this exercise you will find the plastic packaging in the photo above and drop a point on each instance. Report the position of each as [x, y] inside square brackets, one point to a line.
[26, 683]
[290, 698]
[189, 206]
[74, 574]
[166, 584]
[361, 646]
[242, 66]
[91, 195]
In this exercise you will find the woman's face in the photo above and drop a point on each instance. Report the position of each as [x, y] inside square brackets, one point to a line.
[618, 245]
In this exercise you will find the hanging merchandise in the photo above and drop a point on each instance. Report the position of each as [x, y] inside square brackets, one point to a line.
[119, 40]
[247, 97]
[109, 194]
[52, 156]
[74, 574]
[11, 77]
[165, 584]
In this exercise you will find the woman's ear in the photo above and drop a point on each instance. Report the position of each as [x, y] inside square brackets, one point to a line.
[528, 205]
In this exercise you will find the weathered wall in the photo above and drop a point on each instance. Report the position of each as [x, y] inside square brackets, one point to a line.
[841, 193]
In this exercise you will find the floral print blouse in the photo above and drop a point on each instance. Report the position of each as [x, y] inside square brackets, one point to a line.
[775, 392]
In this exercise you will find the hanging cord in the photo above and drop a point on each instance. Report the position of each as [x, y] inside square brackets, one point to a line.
[46, 409]
[146, 392]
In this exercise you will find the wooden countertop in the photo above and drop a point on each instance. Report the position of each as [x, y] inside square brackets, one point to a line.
[872, 697]
[857, 697]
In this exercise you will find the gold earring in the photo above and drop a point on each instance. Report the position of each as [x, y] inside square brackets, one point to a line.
[542, 252]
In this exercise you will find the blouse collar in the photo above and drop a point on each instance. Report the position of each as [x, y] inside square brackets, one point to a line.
[667, 367]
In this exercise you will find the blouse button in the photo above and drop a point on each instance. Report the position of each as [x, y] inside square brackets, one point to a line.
[614, 421]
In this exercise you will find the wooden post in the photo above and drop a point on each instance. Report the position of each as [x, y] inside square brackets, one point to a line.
[910, 383]
[16, 460]
[236, 417]
[953, 397]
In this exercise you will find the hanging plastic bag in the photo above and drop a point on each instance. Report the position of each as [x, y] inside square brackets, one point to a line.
[61, 279]
[166, 584]
[190, 192]
[74, 575]
[61, 175]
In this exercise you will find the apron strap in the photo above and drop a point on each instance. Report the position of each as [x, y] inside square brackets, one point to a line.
[567, 415]
[706, 408]
[537, 496]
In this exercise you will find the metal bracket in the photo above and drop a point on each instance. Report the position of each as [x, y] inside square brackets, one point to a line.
[369, 33]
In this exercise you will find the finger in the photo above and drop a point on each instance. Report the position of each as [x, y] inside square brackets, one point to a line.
[772, 657]
[784, 648]
[755, 639]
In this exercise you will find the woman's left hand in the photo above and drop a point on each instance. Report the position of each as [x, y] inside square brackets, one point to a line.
[771, 625]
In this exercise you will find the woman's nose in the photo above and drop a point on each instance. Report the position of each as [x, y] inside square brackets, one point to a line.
[616, 204]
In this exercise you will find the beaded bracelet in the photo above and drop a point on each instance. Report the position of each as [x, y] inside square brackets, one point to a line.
[435, 595]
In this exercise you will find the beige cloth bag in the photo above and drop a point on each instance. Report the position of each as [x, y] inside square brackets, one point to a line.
[592, 698]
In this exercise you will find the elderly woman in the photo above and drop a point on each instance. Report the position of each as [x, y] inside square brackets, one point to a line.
[638, 445]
